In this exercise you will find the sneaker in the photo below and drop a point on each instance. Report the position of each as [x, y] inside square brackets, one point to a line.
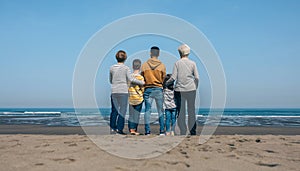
[172, 133]
[133, 132]
[162, 134]
[168, 133]
[148, 133]
[121, 132]
[112, 131]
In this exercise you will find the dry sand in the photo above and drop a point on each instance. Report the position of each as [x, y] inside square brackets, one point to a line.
[78, 152]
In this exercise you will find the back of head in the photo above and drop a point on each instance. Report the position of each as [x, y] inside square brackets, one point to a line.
[171, 86]
[136, 64]
[121, 56]
[184, 50]
[154, 51]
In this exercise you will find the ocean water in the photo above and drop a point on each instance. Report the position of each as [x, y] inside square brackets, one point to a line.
[93, 117]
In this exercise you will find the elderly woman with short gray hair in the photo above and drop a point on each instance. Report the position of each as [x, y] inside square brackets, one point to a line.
[186, 75]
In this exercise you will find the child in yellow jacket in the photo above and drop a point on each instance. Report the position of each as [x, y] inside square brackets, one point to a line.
[135, 98]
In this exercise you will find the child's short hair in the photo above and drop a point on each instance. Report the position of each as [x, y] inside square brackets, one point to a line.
[136, 64]
[171, 86]
[121, 56]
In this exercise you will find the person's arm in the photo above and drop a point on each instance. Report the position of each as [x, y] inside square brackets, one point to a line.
[142, 87]
[132, 79]
[173, 77]
[110, 76]
[164, 73]
[196, 75]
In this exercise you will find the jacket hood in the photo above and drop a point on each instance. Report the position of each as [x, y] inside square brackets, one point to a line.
[153, 63]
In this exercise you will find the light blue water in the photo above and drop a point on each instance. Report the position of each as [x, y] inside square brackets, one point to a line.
[89, 117]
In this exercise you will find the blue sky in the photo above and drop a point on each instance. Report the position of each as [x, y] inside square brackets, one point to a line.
[258, 43]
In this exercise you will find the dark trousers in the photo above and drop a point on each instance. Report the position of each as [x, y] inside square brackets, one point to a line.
[134, 116]
[119, 102]
[181, 99]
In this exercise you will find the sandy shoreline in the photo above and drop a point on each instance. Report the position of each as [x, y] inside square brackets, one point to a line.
[221, 130]
[221, 152]
[231, 148]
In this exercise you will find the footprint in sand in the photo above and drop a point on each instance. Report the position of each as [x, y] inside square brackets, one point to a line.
[270, 151]
[282, 138]
[172, 163]
[87, 148]
[232, 156]
[45, 145]
[15, 145]
[68, 160]
[49, 151]
[184, 153]
[221, 150]
[120, 168]
[295, 142]
[184, 163]
[231, 144]
[39, 164]
[13, 140]
[268, 164]
[176, 163]
[205, 148]
[68, 142]
[258, 140]
[243, 140]
[72, 145]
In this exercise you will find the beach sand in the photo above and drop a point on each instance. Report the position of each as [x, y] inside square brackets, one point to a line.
[67, 148]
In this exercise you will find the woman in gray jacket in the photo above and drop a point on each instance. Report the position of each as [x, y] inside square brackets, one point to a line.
[186, 75]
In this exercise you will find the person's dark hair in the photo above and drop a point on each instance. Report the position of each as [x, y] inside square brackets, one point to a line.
[154, 51]
[170, 86]
[136, 64]
[121, 56]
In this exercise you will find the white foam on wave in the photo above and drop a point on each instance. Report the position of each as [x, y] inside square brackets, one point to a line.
[261, 116]
[11, 113]
[26, 112]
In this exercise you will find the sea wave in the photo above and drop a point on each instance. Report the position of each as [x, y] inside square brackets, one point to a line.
[70, 117]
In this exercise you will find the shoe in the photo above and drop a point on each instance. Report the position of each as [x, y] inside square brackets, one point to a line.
[168, 133]
[172, 133]
[121, 132]
[112, 131]
[133, 132]
[162, 134]
[148, 133]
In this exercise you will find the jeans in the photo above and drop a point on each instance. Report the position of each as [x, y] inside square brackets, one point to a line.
[170, 118]
[134, 116]
[119, 103]
[155, 93]
[181, 98]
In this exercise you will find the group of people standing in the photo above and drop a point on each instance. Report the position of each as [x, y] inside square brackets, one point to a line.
[149, 82]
